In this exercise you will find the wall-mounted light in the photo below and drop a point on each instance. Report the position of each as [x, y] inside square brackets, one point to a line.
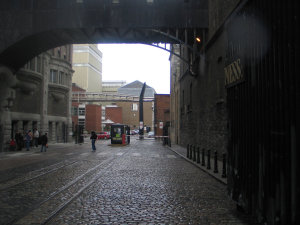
[198, 39]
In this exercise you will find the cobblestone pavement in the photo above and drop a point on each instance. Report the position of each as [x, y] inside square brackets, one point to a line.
[144, 183]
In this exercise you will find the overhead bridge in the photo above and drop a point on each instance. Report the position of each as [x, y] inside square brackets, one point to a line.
[29, 27]
[82, 97]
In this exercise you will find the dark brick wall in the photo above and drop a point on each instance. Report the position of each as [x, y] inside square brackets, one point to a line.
[203, 98]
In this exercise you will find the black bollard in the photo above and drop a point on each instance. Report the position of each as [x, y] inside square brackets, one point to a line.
[194, 153]
[198, 155]
[191, 151]
[203, 157]
[216, 163]
[208, 159]
[188, 151]
[224, 166]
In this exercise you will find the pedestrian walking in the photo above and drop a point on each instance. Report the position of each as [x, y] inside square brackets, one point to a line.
[36, 136]
[44, 142]
[93, 138]
[28, 139]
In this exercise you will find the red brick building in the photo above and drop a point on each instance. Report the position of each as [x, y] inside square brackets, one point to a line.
[87, 115]
[161, 112]
[114, 114]
[93, 120]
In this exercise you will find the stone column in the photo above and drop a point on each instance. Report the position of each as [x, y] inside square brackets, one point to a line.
[53, 138]
[44, 123]
[59, 132]
[7, 95]
[69, 115]
[19, 126]
[29, 125]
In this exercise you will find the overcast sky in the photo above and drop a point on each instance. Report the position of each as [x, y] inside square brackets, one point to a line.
[132, 62]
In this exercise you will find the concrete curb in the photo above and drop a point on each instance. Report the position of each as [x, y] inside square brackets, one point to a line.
[217, 176]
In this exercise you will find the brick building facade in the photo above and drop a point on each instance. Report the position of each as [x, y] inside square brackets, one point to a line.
[130, 114]
[161, 112]
[93, 118]
[114, 114]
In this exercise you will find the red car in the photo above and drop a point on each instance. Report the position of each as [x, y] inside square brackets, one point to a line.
[103, 135]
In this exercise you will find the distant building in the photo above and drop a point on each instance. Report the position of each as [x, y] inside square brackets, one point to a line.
[131, 109]
[111, 87]
[117, 111]
[93, 118]
[135, 88]
[87, 64]
[113, 114]
[130, 114]
[43, 96]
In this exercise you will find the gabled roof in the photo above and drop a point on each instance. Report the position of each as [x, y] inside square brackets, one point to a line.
[135, 84]
[134, 89]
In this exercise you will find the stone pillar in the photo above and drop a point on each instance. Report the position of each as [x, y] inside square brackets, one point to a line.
[5, 132]
[7, 95]
[29, 125]
[19, 126]
[59, 132]
[69, 117]
[53, 137]
[44, 123]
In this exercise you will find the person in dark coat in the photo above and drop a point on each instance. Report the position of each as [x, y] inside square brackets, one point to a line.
[93, 138]
[44, 142]
[28, 139]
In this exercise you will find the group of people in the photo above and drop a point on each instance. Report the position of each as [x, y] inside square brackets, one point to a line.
[28, 139]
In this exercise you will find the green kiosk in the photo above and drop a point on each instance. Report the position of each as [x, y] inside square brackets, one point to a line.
[120, 134]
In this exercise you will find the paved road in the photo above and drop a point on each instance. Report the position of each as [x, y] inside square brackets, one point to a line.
[142, 183]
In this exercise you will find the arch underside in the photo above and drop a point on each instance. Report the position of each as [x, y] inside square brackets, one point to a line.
[18, 54]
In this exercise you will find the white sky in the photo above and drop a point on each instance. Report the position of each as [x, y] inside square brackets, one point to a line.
[132, 62]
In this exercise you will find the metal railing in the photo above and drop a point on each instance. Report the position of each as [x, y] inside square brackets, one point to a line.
[103, 97]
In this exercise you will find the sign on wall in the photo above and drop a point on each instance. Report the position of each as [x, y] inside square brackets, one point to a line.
[234, 73]
[161, 125]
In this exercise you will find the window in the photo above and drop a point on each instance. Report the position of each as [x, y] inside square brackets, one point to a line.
[74, 111]
[81, 122]
[60, 77]
[134, 107]
[81, 112]
[53, 76]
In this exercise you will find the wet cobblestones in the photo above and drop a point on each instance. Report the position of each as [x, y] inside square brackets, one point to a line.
[143, 183]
